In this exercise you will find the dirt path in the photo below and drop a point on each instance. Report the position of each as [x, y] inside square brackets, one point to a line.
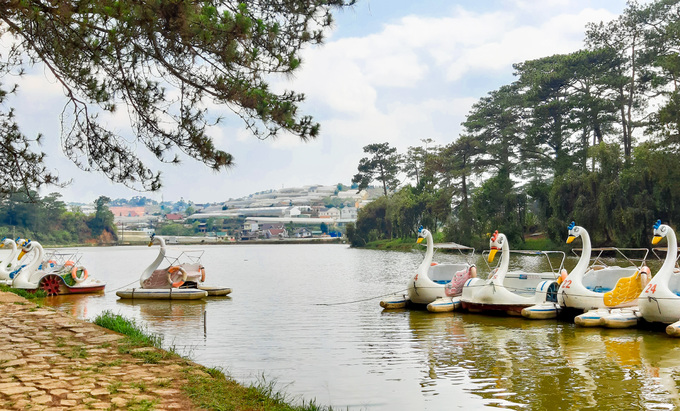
[52, 361]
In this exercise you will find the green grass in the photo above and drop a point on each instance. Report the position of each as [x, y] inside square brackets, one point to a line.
[396, 244]
[37, 294]
[210, 388]
[140, 405]
[77, 352]
[137, 337]
[114, 387]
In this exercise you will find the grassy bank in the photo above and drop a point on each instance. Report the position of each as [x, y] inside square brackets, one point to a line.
[208, 388]
[32, 296]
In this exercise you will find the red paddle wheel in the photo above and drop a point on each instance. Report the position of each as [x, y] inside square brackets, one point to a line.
[51, 284]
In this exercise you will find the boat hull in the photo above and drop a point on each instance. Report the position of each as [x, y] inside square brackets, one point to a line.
[92, 289]
[510, 309]
[216, 291]
[444, 304]
[610, 318]
[395, 301]
[162, 294]
[622, 319]
[542, 311]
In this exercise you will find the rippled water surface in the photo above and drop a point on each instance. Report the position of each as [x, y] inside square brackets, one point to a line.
[307, 316]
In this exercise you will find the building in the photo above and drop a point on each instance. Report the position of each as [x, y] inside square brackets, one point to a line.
[127, 211]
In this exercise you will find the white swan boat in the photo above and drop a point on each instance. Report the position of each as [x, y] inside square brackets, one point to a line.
[11, 261]
[60, 274]
[659, 302]
[606, 295]
[181, 279]
[532, 295]
[436, 285]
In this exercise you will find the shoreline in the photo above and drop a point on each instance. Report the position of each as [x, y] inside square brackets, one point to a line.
[56, 361]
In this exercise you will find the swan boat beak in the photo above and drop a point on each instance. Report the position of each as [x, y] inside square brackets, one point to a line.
[419, 240]
[570, 239]
[656, 239]
[492, 254]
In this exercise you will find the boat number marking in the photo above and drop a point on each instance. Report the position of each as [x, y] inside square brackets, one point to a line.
[650, 288]
[567, 284]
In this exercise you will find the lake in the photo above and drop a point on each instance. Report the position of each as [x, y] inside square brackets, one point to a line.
[308, 318]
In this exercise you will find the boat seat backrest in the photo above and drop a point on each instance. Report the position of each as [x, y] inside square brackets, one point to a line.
[444, 272]
[605, 279]
[158, 279]
[193, 271]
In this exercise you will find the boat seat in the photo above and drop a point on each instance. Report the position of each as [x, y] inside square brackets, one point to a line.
[159, 278]
[627, 289]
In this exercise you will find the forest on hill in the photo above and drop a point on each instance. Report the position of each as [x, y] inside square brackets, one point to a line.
[591, 136]
[47, 219]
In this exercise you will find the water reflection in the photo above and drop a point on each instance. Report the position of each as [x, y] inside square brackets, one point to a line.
[78, 305]
[514, 363]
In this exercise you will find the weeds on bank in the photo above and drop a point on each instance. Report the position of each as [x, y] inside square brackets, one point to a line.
[36, 295]
[137, 338]
[114, 387]
[77, 352]
[101, 364]
[210, 388]
[140, 405]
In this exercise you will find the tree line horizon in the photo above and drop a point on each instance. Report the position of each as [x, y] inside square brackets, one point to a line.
[591, 136]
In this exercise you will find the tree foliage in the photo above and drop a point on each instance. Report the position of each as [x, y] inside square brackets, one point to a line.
[48, 221]
[164, 62]
[382, 165]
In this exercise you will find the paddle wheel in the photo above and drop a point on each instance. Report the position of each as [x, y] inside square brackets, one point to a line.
[51, 284]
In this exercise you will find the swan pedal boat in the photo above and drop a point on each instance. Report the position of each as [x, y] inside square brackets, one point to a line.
[10, 262]
[605, 295]
[659, 302]
[58, 273]
[532, 295]
[180, 280]
[435, 285]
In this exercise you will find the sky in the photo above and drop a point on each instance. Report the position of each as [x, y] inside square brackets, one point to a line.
[394, 71]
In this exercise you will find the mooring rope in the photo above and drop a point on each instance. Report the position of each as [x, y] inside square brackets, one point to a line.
[363, 299]
[120, 288]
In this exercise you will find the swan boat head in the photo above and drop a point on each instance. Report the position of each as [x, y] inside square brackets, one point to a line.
[664, 231]
[497, 242]
[584, 261]
[660, 231]
[422, 234]
[574, 232]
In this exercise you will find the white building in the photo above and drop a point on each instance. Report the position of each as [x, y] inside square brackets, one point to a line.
[330, 213]
[348, 213]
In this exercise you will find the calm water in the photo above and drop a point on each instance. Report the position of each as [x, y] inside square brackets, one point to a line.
[307, 316]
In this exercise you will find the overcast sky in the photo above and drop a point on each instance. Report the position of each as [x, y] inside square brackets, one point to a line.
[391, 70]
